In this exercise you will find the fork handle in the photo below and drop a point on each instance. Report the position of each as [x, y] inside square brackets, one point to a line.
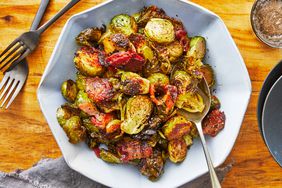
[57, 16]
[39, 14]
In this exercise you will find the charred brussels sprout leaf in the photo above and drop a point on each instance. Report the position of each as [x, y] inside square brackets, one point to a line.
[89, 61]
[197, 48]
[138, 111]
[90, 36]
[109, 157]
[65, 112]
[74, 130]
[215, 103]
[181, 80]
[160, 30]
[159, 79]
[176, 127]
[177, 150]
[148, 13]
[191, 102]
[69, 90]
[133, 84]
[124, 23]
[152, 167]
[208, 74]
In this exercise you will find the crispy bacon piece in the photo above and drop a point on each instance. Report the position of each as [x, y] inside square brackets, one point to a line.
[128, 61]
[164, 95]
[133, 149]
[213, 122]
[100, 120]
[88, 108]
[99, 89]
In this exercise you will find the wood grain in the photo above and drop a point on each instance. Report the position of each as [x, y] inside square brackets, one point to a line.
[25, 136]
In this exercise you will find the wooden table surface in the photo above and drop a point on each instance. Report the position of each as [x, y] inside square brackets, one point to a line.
[25, 136]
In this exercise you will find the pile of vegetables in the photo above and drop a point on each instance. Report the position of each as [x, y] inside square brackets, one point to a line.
[133, 76]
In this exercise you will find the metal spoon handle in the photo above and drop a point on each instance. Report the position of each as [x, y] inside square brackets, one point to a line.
[214, 180]
[57, 16]
[40, 12]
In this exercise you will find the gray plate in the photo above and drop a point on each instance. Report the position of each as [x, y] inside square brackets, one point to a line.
[271, 78]
[272, 121]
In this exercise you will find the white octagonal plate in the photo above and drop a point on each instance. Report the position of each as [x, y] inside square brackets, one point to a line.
[233, 89]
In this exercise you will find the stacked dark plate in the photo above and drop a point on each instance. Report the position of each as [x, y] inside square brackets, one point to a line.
[269, 112]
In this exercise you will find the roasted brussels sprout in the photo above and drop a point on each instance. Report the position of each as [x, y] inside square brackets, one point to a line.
[139, 42]
[138, 111]
[182, 81]
[99, 89]
[65, 112]
[160, 30]
[152, 167]
[197, 47]
[128, 61]
[130, 149]
[124, 23]
[215, 103]
[158, 79]
[208, 74]
[177, 150]
[80, 81]
[174, 50]
[69, 90]
[109, 157]
[176, 127]
[191, 102]
[74, 130]
[133, 84]
[81, 98]
[89, 60]
[115, 42]
[90, 36]
[213, 122]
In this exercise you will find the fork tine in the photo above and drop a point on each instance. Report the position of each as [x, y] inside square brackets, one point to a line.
[18, 89]
[6, 88]
[11, 52]
[16, 57]
[9, 47]
[4, 80]
[17, 61]
[9, 93]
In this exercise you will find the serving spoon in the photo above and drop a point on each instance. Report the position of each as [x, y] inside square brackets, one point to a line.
[204, 91]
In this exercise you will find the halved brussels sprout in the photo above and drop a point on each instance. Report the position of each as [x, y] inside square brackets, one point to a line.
[160, 30]
[176, 127]
[175, 50]
[191, 102]
[89, 61]
[158, 79]
[133, 84]
[208, 74]
[65, 112]
[74, 130]
[177, 150]
[80, 81]
[138, 111]
[69, 90]
[90, 36]
[152, 167]
[182, 81]
[109, 157]
[124, 23]
[197, 47]
[215, 103]
[115, 42]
